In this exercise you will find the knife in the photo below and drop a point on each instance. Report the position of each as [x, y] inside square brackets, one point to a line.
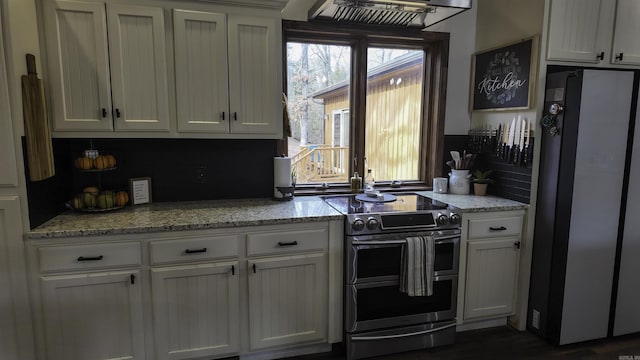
[523, 130]
[515, 149]
[512, 130]
[525, 157]
[505, 139]
[499, 141]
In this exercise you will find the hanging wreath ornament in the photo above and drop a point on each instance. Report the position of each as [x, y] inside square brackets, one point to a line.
[549, 120]
[500, 80]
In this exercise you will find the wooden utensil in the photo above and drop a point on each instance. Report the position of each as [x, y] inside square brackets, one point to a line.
[36, 125]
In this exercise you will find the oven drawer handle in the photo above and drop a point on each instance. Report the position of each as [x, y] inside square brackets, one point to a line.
[402, 335]
[438, 240]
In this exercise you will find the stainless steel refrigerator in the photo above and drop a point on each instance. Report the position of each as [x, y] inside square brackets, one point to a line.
[586, 253]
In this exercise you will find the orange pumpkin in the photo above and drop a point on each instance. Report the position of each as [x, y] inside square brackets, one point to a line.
[111, 161]
[83, 163]
[122, 198]
[101, 162]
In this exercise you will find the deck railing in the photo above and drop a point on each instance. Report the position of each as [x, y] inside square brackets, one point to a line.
[321, 163]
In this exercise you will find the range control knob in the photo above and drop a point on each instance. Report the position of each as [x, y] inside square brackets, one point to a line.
[455, 219]
[357, 225]
[372, 223]
[442, 219]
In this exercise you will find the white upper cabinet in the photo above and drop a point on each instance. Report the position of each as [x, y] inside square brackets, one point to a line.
[255, 88]
[580, 30]
[201, 71]
[8, 164]
[228, 73]
[601, 32]
[78, 65]
[107, 66]
[138, 67]
[626, 42]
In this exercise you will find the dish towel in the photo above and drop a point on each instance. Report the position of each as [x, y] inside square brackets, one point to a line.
[416, 270]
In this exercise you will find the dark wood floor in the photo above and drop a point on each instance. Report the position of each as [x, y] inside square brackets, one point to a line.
[507, 344]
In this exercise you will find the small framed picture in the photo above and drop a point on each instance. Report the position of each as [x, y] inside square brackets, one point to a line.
[140, 189]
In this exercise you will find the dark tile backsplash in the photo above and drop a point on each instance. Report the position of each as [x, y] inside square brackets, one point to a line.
[511, 182]
[233, 169]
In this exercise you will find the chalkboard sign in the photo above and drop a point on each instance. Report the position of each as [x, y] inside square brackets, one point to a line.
[503, 78]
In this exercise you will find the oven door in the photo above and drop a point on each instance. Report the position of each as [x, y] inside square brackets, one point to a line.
[377, 258]
[377, 305]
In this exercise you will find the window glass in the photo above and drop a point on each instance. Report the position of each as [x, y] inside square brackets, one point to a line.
[359, 100]
[318, 103]
[394, 113]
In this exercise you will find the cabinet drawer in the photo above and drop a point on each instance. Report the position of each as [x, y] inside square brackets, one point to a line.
[197, 249]
[508, 226]
[86, 257]
[287, 242]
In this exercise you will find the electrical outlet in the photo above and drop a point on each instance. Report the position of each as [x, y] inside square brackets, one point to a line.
[535, 319]
[201, 175]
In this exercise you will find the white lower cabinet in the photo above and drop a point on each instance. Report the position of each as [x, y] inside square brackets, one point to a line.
[287, 300]
[93, 316]
[189, 295]
[489, 265]
[492, 275]
[196, 310]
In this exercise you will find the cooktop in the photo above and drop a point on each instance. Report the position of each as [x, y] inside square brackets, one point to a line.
[404, 202]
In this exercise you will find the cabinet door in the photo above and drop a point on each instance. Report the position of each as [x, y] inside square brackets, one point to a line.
[255, 75]
[78, 65]
[580, 30]
[138, 67]
[201, 71]
[626, 43]
[93, 316]
[16, 334]
[9, 173]
[287, 300]
[492, 275]
[195, 310]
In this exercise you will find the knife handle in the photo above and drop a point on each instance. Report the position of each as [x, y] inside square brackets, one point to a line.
[516, 154]
[525, 156]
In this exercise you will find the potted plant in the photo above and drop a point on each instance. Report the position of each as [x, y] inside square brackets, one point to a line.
[481, 181]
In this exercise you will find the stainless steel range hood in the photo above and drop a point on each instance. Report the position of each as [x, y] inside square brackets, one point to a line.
[415, 13]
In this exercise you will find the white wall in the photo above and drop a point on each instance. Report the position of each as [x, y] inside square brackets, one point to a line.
[501, 22]
[462, 29]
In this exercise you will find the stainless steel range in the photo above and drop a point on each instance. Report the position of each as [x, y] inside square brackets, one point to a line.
[379, 318]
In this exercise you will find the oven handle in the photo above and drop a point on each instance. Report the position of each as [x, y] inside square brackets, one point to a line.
[356, 338]
[437, 241]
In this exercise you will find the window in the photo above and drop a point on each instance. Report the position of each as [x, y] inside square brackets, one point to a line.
[362, 99]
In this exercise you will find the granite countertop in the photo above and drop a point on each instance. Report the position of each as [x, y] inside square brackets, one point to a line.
[473, 203]
[196, 215]
[187, 215]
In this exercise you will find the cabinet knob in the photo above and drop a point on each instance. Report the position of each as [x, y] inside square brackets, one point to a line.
[104, 112]
[222, 116]
[117, 113]
[517, 244]
[235, 116]
[501, 228]
[619, 57]
[600, 56]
